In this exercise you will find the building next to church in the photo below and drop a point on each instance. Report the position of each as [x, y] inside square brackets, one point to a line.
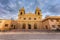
[30, 21]
[6, 25]
[51, 23]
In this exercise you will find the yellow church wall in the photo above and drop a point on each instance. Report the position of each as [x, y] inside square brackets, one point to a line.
[31, 23]
[30, 19]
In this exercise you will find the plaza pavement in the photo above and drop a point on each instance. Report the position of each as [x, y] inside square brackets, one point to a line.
[29, 35]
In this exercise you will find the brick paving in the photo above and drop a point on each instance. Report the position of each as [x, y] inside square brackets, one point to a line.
[29, 36]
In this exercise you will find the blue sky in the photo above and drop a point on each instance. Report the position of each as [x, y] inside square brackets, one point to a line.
[9, 8]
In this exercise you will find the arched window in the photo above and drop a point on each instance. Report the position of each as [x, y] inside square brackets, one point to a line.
[46, 27]
[29, 26]
[21, 13]
[35, 26]
[58, 26]
[14, 27]
[38, 13]
[34, 18]
[29, 18]
[24, 18]
[24, 26]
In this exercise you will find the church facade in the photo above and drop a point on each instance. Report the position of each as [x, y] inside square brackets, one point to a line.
[30, 21]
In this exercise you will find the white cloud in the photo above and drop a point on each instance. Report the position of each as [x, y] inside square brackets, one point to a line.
[46, 1]
[5, 13]
[19, 2]
[31, 3]
[15, 16]
[46, 13]
[3, 10]
[12, 5]
[1, 5]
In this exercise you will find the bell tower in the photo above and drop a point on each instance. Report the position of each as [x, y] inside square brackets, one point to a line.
[38, 11]
[21, 12]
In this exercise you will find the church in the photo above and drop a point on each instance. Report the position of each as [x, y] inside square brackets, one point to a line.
[30, 21]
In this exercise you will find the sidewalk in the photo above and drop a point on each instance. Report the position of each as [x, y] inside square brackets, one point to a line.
[29, 33]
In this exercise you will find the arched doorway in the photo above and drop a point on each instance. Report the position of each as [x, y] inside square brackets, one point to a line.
[46, 27]
[35, 26]
[29, 26]
[24, 26]
[14, 27]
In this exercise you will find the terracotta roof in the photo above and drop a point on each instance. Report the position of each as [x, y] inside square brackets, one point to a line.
[51, 17]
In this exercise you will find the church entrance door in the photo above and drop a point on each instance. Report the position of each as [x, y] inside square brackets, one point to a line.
[29, 26]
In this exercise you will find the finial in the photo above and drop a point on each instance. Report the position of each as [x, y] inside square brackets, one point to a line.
[22, 9]
[37, 8]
